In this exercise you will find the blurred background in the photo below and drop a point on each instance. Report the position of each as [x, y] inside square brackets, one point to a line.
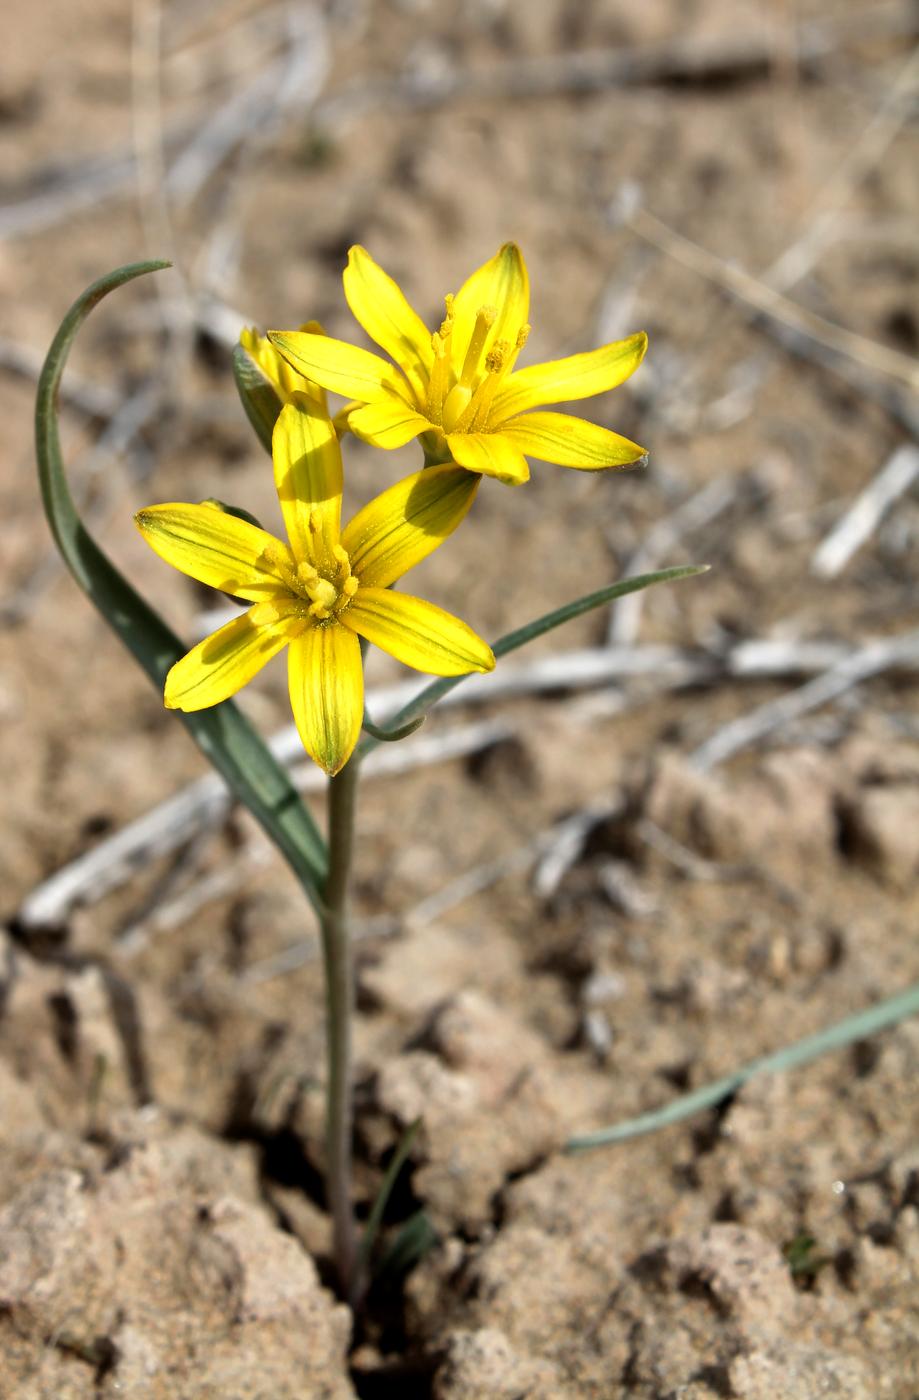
[737, 751]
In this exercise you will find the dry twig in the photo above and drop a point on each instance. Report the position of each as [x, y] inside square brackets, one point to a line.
[731, 56]
[691, 515]
[866, 661]
[870, 354]
[866, 512]
[206, 803]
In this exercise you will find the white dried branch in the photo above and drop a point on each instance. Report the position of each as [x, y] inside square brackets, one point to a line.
[872, 355]
[696, 59]
[866, 512]
[434, 906]
[859, 666]
[206, 803]
[167, 826]
[690, 516]
[195, 149]
[562, 846]
[288, 85]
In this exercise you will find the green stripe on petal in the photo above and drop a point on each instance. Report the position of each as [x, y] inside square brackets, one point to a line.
[571, 442]
[405, 524]
[492, 454]
[417, 633]
[336, 365]
[325, 674]
[308, 478]
[216, 548]
[228, 659]
[389, 423]
[381, 308]
[563, 381]
[503, 283]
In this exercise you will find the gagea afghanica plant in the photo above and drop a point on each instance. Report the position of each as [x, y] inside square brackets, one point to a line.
[327, 591]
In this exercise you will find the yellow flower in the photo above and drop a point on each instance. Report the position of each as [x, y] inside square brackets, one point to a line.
[321, 592]
[282, 377]
[457, 389]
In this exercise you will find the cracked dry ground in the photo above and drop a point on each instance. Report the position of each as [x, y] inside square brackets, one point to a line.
[163, 1230]
[162, 1226]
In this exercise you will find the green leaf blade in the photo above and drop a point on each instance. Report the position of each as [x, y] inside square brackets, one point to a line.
[835, 1037]
[512, 641]
[223, 733]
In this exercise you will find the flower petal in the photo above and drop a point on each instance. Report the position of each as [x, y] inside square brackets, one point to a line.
[308, 478]
[379, 305]
[571, 442]
[217, 548]
[577, 377]
[336, 365]
[389, 423]
[326, 679]
[503, 283]
[417, 632]
[228, 659]
[282, 376]
[492, 454]
[405, 524]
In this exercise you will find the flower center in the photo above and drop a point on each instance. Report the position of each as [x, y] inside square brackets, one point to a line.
[328, 593]
[461, 403]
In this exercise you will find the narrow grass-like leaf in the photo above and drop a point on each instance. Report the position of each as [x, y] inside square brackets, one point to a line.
[858, 1027]
[390, 736]
[223, 734]
[375, 1218]
[511, 641]
[258, 396]
[416, 1238]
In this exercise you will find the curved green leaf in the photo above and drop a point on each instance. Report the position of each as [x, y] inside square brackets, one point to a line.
[511, 641]
[863, 1023]
[391, 736]
[223, 734]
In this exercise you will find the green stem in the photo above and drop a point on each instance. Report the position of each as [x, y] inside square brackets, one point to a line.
[339, 976]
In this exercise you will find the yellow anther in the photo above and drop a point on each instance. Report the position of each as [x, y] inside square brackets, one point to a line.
[485, 319]
[319, 612]
[342, 558]
[350, 586]
[497, 356]
[306, 574]
[449, 299]
[523, 336]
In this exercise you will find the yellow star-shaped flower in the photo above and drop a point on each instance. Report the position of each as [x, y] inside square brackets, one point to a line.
[285, 380]
[458, 389]
[321, 592]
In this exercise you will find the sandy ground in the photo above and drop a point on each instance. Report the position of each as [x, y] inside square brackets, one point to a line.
[163, 1227]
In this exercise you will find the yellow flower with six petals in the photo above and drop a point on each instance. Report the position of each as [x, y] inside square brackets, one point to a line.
[458, 389]
[322, 592]
[283, 378]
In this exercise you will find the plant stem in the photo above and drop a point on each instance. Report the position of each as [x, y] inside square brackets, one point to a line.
[339, 976]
